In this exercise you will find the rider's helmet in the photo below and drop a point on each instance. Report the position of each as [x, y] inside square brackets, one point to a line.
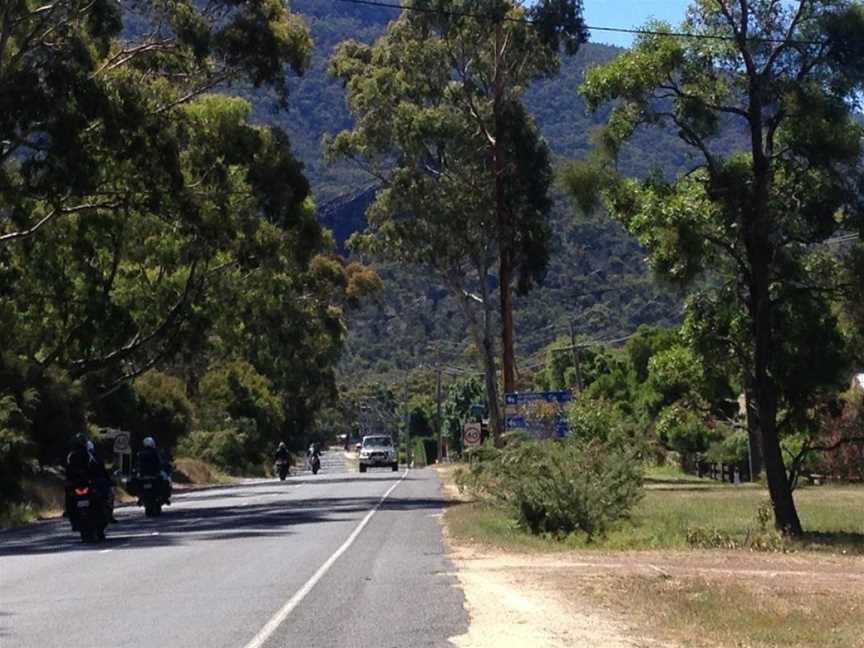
[149, 442]
[281, 445]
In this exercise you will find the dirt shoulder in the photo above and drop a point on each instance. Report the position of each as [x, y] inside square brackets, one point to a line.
[652, 599]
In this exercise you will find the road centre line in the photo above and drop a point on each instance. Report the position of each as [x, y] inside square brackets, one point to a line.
[273, 624]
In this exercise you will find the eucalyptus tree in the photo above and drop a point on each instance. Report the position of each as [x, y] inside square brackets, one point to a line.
[788, 76]
[463, 171]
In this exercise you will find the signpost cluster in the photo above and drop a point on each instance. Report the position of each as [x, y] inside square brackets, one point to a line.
[540, 413]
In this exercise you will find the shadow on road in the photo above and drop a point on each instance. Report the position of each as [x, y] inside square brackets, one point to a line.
[223, 519]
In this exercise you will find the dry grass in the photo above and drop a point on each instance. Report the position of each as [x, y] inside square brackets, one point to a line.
[720, 612]
[195, 471]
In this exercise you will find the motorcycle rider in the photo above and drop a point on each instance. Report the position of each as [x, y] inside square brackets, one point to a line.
[100, 478]
[76, 472]
[84, 467]
[282, 452]
[312, 453]
[150, 464]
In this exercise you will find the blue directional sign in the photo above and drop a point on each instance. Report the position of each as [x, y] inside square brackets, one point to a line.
[511, 422]
[517, 398]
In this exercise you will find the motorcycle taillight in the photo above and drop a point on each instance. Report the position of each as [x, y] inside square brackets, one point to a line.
[82, 491]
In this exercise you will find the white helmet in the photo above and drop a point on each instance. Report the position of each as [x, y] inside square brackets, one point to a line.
[90, 446]
[149, 442]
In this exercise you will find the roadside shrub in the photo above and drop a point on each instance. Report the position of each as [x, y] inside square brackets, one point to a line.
[559, 487]
[165, 410]
[226, 448]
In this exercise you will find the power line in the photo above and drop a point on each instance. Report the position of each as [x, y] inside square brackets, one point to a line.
[600, 28]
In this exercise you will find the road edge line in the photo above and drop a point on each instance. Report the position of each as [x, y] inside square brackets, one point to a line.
[277, 619]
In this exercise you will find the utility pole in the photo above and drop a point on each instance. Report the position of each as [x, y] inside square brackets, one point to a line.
[576, 359]
[438, 396]
[407, 429]
[505, 264]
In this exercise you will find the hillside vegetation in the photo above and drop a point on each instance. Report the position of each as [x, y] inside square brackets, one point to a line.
[596, 276]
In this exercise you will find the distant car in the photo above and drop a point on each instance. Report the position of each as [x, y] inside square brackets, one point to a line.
[377, 451]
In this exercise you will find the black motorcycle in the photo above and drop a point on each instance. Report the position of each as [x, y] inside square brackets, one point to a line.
[316, 464]
[88, 512]
[281, 468]
[153, 493]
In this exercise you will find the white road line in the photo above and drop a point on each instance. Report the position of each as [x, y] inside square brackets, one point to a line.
[273, 624]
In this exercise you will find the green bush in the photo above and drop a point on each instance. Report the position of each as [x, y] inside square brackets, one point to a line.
[165, 410]
[420, 458]
[559, 487]
[732, 449]
[226, 448]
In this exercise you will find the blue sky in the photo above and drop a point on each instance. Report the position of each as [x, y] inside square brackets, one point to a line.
[629, 13]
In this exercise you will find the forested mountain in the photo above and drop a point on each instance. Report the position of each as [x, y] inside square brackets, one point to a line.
[596, 275]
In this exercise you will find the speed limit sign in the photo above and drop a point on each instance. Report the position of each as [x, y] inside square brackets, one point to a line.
[471, 434]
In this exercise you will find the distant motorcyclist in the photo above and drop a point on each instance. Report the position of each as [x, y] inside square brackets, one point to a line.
[313, 458]
[282, 466]
[150, 464]
[282, 452]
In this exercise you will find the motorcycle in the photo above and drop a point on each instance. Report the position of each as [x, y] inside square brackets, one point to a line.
[88, 512]
[281, 468]
[153, 493]
[316, 464]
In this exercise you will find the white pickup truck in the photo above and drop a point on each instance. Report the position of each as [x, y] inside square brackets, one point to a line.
[378, 451]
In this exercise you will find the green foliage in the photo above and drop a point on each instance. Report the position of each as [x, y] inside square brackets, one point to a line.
[600, 420]
[151, 229]
[560, 487]
[686, 430]
[733, 449]
[418, 454]
[462, 395]
[165, 410]
[753, 222]
[226, 448]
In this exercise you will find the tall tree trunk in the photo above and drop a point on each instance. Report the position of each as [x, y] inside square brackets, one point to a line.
[758, 239]
[508, 361]
[484, 339]
[785, 514]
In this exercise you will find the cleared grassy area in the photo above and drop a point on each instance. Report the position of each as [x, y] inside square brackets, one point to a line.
[711, 612]
[832, 515]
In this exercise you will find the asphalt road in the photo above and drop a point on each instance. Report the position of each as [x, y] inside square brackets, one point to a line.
[313, 561]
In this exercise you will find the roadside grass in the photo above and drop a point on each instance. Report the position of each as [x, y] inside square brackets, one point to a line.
[671, 474]
[41, 496]
[703, 612]
[833, 516]
[13, 514]
[194, 471]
